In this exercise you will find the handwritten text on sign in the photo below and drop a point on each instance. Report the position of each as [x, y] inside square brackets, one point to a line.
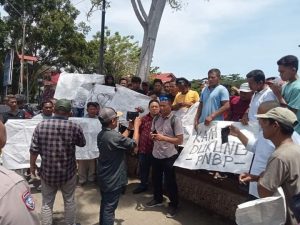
[204, 150]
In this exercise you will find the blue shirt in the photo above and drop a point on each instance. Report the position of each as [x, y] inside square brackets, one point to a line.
[211, 99]
[291, 94]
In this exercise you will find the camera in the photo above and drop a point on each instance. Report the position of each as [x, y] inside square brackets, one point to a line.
[130, 116]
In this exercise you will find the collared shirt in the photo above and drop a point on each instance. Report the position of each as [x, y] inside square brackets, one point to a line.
[163, 149]
[19, 114]
[55, 140]
[145, 140]
[283, 170]
[291, 94]
[211, 99]
[258, 98]
[262, 149]
[189, 97]
[17, 205]
[111, 168]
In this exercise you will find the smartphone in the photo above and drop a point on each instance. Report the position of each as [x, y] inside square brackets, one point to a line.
[224, 134]
[154, 132]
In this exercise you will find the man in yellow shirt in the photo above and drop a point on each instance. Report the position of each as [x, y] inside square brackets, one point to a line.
[186, 97]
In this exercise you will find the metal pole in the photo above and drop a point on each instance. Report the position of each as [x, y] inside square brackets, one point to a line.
[101, 50]
[22, 56]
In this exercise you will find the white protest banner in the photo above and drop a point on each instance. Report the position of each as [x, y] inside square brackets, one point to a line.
[102, 94]
[68, 84]
[263, 211]
[204, 150]
[15, 154]
[127, 100]
[91, 128]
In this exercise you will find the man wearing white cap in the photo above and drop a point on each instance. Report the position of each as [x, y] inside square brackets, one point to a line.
[112, 175]
[240, 104]
[283, 167]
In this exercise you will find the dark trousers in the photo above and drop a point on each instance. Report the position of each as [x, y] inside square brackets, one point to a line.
[145, 162]
[163, 168]
[109, 203]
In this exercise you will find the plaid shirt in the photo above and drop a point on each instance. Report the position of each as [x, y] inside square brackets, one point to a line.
[145, 140]
[55, 140]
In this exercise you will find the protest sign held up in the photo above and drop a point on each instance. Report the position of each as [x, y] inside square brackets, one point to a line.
[205, 150]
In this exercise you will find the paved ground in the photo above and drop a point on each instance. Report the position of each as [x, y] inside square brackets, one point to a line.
[131, 210]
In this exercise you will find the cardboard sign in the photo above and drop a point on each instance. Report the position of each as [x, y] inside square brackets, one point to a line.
[205, 150]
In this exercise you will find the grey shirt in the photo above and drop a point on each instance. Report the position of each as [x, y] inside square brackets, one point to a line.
[112, 170]
[163, 149]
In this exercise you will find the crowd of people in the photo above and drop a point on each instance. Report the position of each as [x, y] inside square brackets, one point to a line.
[271, 104]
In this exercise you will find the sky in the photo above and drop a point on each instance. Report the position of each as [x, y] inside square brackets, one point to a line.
[235, 36]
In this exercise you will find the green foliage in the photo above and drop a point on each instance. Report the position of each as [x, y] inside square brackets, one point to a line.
[232, 80]
[120, 58]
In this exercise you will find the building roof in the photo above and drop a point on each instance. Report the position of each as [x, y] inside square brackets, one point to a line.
[164, 76]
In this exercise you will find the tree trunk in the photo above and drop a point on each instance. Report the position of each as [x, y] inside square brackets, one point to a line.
[150, 24]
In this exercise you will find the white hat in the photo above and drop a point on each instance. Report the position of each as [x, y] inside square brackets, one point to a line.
[245, 88]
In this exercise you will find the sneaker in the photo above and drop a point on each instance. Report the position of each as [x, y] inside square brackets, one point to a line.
[171, 212]
[139, 190]
[153, 203]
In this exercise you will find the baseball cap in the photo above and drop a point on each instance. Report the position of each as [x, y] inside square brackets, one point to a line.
[280, 114]
[244, 87]
[63, 105]
[107, 114]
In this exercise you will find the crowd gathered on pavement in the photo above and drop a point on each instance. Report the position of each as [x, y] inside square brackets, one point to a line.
[271, 102]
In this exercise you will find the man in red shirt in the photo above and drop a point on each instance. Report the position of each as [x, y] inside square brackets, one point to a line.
[145, 146]
[239, 104]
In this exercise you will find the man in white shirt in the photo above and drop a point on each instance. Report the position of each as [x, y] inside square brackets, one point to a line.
[262, 93]
[47, 110]
[262, 149]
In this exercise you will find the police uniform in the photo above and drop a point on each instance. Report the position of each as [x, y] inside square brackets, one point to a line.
[17, 206]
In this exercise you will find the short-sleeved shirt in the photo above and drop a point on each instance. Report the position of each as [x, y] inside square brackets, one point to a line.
[238, 107]
[190, 97]
[145, 140]
[55, 140]
[212, 99]
[163, 125]
[112, 170]
[283, 170]
[42, 116]
[258, 98]
[291, 94]
[16, 203]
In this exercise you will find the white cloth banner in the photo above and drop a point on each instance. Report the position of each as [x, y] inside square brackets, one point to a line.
[204, 150]
[15, 154]
[68, 84]
[127, 100]
[263, 211]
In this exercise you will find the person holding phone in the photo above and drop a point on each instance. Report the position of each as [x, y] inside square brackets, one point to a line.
[165, 136]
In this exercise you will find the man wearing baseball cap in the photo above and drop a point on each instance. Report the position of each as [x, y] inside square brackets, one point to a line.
[112, 175]
[283, 167]
[55, 140]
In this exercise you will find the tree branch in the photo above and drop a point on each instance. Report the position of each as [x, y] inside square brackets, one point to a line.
[142, 10]
[137, 13]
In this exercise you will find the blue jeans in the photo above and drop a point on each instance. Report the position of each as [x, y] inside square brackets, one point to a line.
[145, 162]
[109, 203]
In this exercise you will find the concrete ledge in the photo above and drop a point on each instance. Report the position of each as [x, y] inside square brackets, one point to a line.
[219, 196]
